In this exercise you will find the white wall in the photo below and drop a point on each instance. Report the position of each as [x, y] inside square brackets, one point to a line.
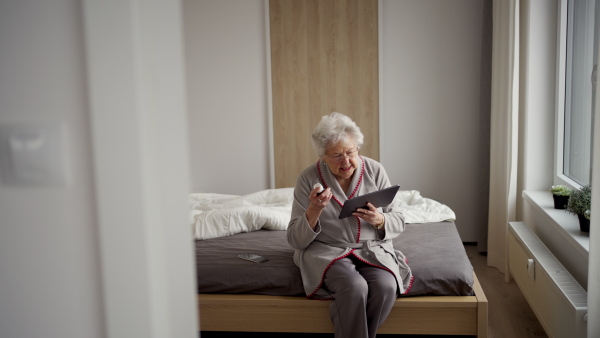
[49, 261]
[109, 253]
[431, 139]
[226, 68]
[537, 106]
[137, 104]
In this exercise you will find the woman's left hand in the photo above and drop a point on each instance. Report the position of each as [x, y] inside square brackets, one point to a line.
[370, 215]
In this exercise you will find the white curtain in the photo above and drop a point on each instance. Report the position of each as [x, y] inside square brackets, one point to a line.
[504, 129]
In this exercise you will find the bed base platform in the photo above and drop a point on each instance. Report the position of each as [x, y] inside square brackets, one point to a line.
[432, 315]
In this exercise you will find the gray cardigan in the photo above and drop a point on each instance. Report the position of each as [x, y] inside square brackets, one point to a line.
[334, 238]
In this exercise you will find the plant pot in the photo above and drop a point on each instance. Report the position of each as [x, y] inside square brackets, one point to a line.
[584, 223]
[560, 202]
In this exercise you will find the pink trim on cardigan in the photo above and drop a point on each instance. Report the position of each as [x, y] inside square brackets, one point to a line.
[323, 275]
[412, 278]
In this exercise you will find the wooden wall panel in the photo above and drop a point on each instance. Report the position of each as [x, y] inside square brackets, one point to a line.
[324, 59]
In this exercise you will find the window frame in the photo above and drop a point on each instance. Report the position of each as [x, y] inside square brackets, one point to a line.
[559, 176]
[561, 86]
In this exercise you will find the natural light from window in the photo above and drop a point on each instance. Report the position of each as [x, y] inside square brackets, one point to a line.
[580, 55]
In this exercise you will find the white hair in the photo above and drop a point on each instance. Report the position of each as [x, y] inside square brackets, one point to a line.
[332, 129]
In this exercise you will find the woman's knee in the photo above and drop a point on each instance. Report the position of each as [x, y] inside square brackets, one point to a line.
[342, 277]
[359, 286]
[356, 287]
[389, 285]
[385, 284]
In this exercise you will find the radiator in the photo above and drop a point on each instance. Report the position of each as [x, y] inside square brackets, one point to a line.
[558, 301]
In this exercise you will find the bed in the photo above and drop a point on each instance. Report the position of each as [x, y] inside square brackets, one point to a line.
[239, 296]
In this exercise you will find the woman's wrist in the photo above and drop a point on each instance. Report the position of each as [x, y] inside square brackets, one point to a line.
[380, 225]
[312, 214]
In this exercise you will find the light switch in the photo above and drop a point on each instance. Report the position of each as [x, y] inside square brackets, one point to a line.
[32, 154]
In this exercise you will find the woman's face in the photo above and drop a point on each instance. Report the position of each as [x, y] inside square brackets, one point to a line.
[342, 158]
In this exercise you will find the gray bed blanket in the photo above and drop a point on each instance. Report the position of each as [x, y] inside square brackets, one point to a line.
[434, 251]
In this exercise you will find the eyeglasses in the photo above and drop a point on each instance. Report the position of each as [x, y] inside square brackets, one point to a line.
[340, 157]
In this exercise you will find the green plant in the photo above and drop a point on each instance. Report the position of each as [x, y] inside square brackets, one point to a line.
[560, 190]
[580, 200]
[587, 214]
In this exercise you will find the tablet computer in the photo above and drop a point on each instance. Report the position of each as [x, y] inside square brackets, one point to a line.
[379, 199]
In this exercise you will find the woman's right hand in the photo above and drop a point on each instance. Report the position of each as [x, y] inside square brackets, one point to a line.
[317, 203]
[320, 200]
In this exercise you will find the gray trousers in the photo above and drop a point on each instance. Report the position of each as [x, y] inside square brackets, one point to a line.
[363, 297]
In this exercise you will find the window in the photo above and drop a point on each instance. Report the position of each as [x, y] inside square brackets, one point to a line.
[578, 55]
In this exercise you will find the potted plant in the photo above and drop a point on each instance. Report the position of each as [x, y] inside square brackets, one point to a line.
[560, 194]
[579, 204]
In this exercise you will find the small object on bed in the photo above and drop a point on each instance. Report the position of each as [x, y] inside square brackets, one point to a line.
[252, 258]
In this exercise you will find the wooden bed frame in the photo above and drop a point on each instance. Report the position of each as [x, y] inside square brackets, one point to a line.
[433, 315]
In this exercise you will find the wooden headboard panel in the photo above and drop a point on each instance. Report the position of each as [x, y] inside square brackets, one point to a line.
[324, 59]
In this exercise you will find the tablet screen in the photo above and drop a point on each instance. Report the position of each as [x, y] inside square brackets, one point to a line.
[379, 199]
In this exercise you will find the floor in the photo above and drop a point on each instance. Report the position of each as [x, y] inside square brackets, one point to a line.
[509, 315]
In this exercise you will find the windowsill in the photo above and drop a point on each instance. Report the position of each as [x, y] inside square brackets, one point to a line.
[564, 223]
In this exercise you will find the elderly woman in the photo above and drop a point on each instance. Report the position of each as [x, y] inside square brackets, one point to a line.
[351, 260]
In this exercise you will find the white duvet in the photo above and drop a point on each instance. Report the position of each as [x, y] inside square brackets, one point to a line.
[218, 215]
[418, 209]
